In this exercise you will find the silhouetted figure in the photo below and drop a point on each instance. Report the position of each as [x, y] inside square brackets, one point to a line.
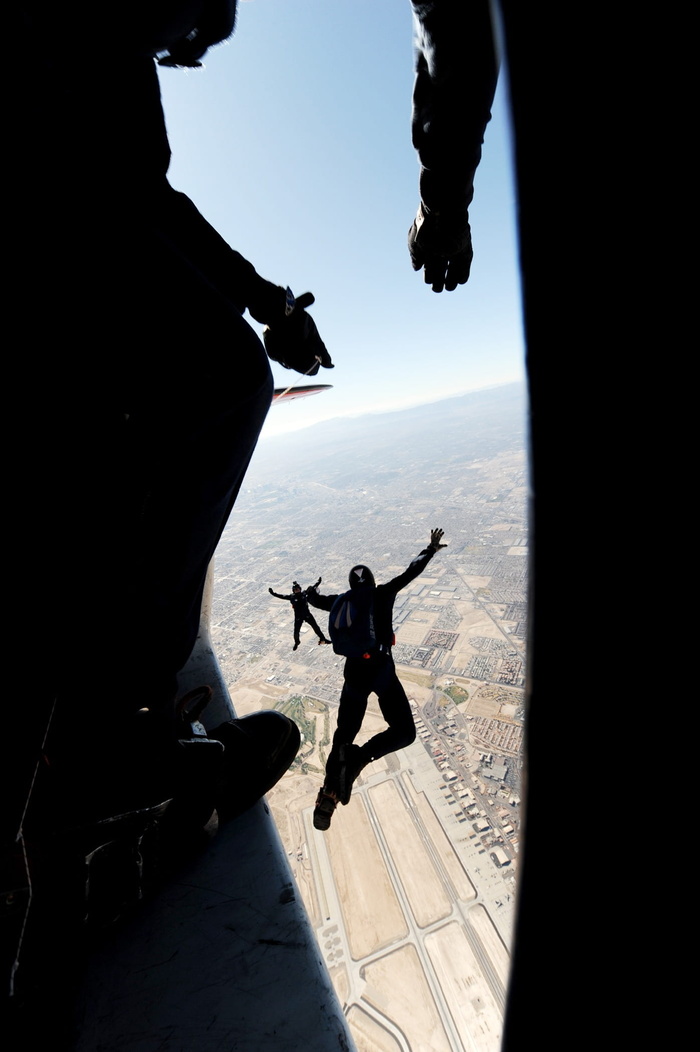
[140, 393]
[146, 387]
[300, 606]
[368, 606]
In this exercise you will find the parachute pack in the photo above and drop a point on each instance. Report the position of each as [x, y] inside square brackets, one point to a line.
[351, 623]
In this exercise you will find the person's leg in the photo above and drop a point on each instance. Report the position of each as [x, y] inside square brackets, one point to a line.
[401, 730]
[396, 710]
[298, 621]
[311, 620]
[351, 712]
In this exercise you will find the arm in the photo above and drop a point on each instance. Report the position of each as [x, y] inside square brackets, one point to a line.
[230, 273]
[323, 602]
[142, 154]
[278, 596]
[419, 563]
[291, 337]
[311, 588]
[456, 74]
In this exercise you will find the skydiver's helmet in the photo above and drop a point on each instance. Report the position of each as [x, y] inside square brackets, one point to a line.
[361, 577]
[296, 587]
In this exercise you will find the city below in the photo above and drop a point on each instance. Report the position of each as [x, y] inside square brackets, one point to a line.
[412, 890]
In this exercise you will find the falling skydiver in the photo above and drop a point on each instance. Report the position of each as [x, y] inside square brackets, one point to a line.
[299, 601]
[371, 672]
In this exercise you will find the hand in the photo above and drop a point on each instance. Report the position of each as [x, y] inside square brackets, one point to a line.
[292, 339]
[441, 246]
[435, 538]
[270, 591]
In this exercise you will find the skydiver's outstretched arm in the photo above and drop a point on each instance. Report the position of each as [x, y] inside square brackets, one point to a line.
[312, 588]
[419, 563]
[278, 596]
[323, 602]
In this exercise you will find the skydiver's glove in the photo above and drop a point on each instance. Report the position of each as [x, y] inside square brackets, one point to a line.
[435, 539]
[292, 339]
[441, 245]
[270, 591]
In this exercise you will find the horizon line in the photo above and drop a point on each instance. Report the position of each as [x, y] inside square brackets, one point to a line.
[354, 414]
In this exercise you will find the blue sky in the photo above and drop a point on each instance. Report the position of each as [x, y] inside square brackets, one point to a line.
[294, 141]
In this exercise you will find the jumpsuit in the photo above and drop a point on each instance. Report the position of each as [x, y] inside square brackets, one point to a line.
[299, 601]
[375, 674]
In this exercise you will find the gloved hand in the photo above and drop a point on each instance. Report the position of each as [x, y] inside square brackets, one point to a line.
[292, 339]
[270, 591]
[441, 245]
[435, 539]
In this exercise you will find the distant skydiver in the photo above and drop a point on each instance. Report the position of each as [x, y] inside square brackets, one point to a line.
[298, 599]
[366, 610]
[456, 75]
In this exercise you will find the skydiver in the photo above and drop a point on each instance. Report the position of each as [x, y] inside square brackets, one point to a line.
[373, 672]
[298, 599]
[456, 75]
[148, 417]
[143, 392]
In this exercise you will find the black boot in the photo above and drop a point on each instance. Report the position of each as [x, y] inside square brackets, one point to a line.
[259, 748]
[326, 803]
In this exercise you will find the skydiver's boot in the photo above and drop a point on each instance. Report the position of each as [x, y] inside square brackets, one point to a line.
[326, 803]
[147, 772]
[104, 820]
[124, 763]
[259, 749]
[352, 761]
[323, 640]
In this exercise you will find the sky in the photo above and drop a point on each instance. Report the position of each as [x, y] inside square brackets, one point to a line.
[294, 141]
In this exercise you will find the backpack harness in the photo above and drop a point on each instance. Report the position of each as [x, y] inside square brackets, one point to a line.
[351, 626]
